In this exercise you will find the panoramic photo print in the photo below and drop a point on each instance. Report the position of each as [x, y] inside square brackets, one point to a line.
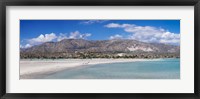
[99, 49]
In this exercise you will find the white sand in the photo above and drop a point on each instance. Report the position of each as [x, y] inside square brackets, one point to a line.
[30, 68]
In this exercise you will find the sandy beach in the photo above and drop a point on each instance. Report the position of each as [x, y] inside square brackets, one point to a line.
[33, 68]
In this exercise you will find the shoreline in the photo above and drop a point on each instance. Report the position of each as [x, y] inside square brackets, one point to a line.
[30, 69]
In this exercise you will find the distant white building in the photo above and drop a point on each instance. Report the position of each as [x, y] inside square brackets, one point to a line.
[120, 54]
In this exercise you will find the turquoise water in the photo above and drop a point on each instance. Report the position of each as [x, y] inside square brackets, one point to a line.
[158, 69]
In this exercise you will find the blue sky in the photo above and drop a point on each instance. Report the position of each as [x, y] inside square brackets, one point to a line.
[34, 32]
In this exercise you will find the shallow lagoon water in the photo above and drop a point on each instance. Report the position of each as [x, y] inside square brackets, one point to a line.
[155, 69]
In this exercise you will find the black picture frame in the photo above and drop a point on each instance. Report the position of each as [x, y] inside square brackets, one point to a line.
[4, 3]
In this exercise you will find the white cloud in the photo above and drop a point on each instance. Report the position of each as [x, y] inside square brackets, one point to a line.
[38, 40]
[78, 35]
[61, 37]
[117, 36]
[148, 33]
[43, 38]
[53, 37]
[26, 46]
[74, 35]
[115, 25]
[93, 21]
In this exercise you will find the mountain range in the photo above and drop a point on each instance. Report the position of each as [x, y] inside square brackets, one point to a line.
[110, 47]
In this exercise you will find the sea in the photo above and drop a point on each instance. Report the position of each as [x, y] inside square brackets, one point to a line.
[155, 69]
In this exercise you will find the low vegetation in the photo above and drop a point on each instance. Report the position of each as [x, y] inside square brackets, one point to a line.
[88, 55]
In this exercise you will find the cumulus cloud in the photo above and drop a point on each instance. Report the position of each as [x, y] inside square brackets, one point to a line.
[117, 36]
[42, 38]
[78, 35]
[61, 37]
[93, 21]
[148, 33]
[26, 46]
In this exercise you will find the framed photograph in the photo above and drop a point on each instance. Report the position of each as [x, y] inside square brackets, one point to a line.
[143, 49]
